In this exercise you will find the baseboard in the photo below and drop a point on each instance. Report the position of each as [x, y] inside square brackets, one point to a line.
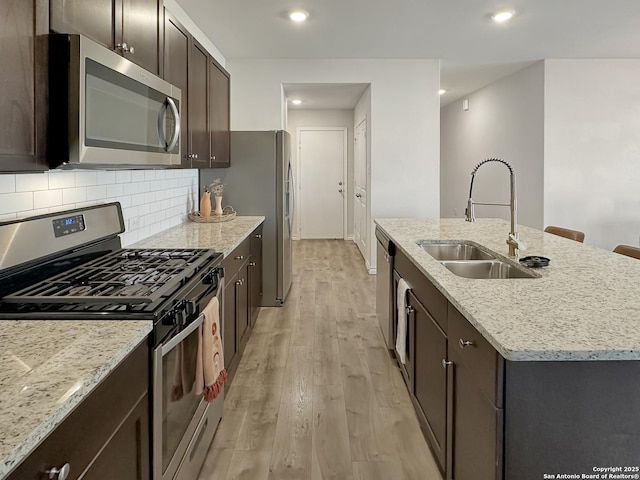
[350, 237]
[370, 269]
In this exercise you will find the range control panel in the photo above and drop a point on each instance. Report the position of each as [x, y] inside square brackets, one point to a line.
[68, 225]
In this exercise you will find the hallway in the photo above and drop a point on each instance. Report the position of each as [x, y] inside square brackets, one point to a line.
[316, 395]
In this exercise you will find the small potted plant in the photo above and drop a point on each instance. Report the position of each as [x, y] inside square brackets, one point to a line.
[217, 187]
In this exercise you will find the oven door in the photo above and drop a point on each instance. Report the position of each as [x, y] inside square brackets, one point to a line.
[183, 423]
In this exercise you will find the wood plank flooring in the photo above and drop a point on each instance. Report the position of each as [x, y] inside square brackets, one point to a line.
[316, 395]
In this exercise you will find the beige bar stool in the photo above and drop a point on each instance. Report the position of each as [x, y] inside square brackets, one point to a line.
[566, 233]
[628, 250]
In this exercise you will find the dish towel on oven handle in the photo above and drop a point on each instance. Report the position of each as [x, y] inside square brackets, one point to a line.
[401, 305]
[210, 372]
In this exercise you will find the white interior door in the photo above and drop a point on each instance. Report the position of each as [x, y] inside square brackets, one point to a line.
[360, 228]
[322, 156]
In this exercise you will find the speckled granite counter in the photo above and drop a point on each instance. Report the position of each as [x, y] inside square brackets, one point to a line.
[49, 367]
[584, 306]
[222, 237]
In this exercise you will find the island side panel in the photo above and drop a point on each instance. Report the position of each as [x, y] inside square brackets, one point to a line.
[569, 417]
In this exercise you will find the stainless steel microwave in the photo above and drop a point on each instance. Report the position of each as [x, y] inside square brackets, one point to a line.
[107, 112]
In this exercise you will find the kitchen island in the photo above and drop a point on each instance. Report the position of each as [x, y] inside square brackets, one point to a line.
[538, 375]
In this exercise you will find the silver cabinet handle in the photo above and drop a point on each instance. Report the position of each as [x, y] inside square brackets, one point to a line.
[240, 281]
[239, 257]
[465, 343]
[252, 264]
[125, 48]
[409, 309]
[212, 158]
[59, 473]
[258, 235]
[446, 363]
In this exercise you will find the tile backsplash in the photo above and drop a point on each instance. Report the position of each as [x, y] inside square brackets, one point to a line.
[152, 200]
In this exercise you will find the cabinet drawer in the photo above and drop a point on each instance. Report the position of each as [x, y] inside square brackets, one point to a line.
[236, 259]
[478, 356]
[424, 290]
[82, 435]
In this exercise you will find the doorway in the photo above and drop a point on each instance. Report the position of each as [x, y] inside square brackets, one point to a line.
[322, 157]
[361, 224]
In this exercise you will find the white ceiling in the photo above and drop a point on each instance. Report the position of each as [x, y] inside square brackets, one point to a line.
[473, 50]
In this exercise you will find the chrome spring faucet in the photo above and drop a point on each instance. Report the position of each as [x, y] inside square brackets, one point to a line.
[512, 240]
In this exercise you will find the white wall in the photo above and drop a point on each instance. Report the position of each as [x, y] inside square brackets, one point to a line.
[504, 120]
[324, 118]
[177, 11]
[404, 126]
[152, 200]
[592, 149]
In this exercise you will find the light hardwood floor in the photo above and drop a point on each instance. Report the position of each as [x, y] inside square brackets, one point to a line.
[316, 395]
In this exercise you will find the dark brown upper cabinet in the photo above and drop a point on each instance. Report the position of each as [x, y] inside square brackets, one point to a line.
[129, 27]
[205, 87]
[177, 48]
[219, 114]
[198, 111]
[22, 82]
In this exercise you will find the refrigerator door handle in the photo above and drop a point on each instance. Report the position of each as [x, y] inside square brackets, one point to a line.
[292, 197]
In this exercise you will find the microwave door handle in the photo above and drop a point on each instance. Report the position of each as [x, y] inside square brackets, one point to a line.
[161, 125]
[176, 117]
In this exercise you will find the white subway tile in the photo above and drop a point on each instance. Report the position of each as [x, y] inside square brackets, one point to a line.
[125, 201]
[31, 182]
[60, 179]
[123, 176]
[89, 203]
[115, 189]
[106, 177]
[62, 208]
[16, 202]
[85, 179]
[150, 197]
[74, 195]
[138, 199]
[150, 175]
[146, 208]
[7, 183]
[99, 192]
[47, 198]
[137, 176]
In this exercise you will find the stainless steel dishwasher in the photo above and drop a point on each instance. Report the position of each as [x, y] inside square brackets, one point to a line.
[384, 287]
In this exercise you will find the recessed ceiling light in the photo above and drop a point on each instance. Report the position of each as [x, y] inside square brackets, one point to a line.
[298, 15]
[296, 101]
[442, 91]
[502, 16]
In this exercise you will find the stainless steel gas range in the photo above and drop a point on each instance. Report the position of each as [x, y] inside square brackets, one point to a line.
[70, 265]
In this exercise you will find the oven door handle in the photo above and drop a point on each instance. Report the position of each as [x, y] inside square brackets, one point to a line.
[171, 344]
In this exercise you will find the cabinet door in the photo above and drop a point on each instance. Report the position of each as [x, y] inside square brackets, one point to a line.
[477, 427]
[430, 378]
[255, 275]
[219, 114]
[139, 29]
[126, 455]
[198, 107]
[242, 306]
[19, 106]
[92, 18]
[177, 43]
[229, 340]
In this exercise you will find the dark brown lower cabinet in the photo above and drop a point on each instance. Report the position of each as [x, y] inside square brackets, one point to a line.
[477, 427]
[107, 435]
[430, 378]
[229, 332]
[255, 275]
[242, 305]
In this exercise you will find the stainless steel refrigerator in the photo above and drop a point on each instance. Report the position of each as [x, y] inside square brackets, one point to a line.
[260, 182]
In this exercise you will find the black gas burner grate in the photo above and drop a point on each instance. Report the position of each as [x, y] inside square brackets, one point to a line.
[119, 280]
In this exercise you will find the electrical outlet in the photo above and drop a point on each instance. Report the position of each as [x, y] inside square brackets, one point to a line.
[135, 223]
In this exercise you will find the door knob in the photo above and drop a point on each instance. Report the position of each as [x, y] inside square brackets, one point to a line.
[358, 195]
[339, 190]
[340, 183]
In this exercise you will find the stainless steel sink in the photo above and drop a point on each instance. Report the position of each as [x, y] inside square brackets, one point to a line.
[454, 251]
[486, 269]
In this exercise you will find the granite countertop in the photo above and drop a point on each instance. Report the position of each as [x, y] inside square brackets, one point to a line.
[221, 237]
[49, 367]
[584, 306]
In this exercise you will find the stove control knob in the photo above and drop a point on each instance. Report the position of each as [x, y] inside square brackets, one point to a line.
[190, 307]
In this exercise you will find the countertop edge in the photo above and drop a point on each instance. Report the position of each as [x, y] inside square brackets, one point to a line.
[37, 436]
[242, 238]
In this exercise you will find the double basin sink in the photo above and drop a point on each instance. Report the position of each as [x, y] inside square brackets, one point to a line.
[472, 261]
